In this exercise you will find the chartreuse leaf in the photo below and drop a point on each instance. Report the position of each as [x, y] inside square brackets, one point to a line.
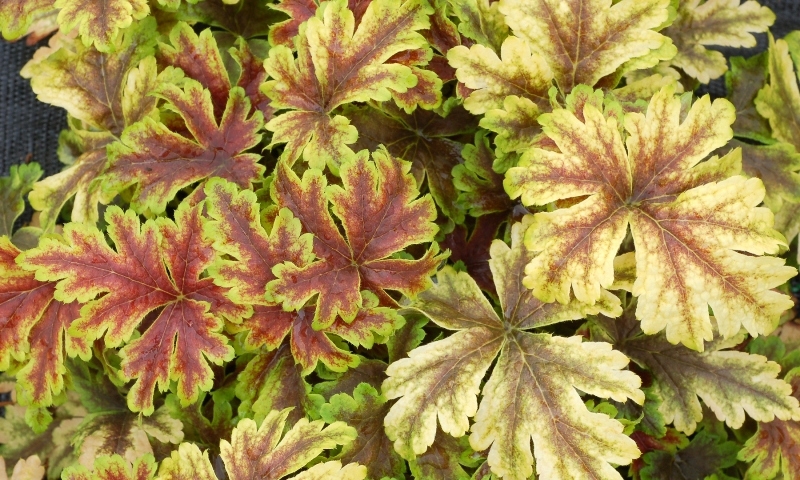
[13, 189]
[779, 100]
[34, 331]
[584, 40]
[364, 411]
[266, 453]
[238, 233]
[114, 468]
[425, 138]
[97, 21]
[517, 71]
[481, 21]
[689, 219]
[724, 23]
[380, 214]
[104, 101]
[156, 265]
[730, 383]
[531, 393]
[773, 448]
[319, 80]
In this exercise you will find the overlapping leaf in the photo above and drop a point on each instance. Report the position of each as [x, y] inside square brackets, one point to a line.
[425, 138]
[531, 393]
[105, 92]
[13, 189]
[99, 22]
[318, 81]
[267, 453]
[381, 215]
[773, 448]
[714, 22]
[481, 186]
[689, 218]
[33, 332]
[238, 232]
[25, 469]
[730, 383]
[114, 468]
[704, 456]
[584, 40]
[743, 82]
[156, 265]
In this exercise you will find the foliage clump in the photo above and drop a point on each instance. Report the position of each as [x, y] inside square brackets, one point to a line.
[389, 239]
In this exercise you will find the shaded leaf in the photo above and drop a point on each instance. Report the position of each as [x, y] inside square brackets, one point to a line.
[13, 189]
[481, 21]
[364, 411]
[473, 253]
[426, 139]
[704, 456]
[481, 187]
[743, 82]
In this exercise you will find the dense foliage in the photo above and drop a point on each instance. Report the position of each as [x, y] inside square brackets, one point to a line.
[388, 239]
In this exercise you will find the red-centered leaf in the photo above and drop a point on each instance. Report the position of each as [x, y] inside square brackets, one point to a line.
[691, 220]
[161, 162]
[474, 252]
[251, 77]
[482, 190]
[200, 59]
[299, 11]
[156, 265]
[113, 467]
[425, 138]
[33, 331]
[251, 255]
[381, 215]
[336, 64]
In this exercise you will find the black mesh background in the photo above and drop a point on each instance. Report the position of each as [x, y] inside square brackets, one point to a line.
[29, 128]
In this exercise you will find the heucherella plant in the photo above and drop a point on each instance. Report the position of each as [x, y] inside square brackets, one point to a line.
[403, 239]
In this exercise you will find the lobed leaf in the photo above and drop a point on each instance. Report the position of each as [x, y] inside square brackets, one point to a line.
[13, 189]
[156, 265]
[689, 219]
[317, 82]
[530, 395]
[113, 468]
[381, 215]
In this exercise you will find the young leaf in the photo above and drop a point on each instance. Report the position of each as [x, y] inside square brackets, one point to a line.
[161, 162]
[533, 384]
[34, 331]
[714, 22]
[13, 189]
[106, 100]
[266, 453]
[156, 265]
[730, 383]
[238, 233]
[381, 215]
[424, 138]
[689, 219]
[364, 411]
[473, 253]
[245, 18]
[114, 468]
[481, 186]
[584, 40]
[318, 81]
